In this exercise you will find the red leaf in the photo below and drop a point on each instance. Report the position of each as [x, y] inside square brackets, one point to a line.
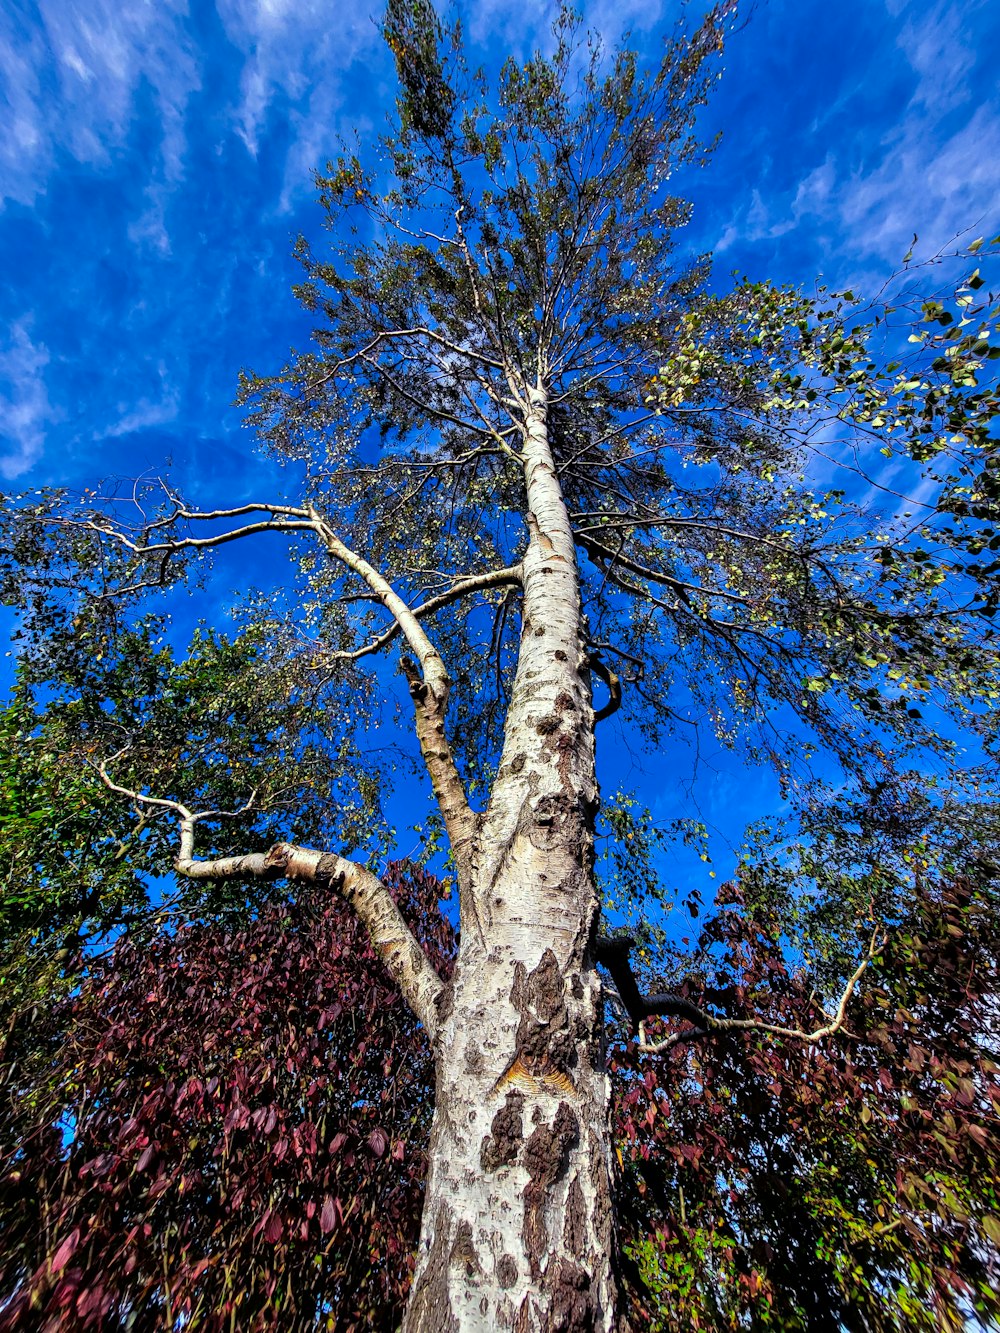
[328, 1216]
[979, 1134]
[65, 1251]
[378, 1141]
[273, 1228]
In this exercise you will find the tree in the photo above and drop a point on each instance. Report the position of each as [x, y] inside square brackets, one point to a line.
[231, 1130]
[849, 1185]
[560, 494]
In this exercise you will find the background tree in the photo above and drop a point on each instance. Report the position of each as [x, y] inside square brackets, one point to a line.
[559, 492]
[853, 1184]
[233, 1125]
[232, 1131]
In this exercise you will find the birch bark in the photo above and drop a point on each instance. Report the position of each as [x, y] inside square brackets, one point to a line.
[517, 1229]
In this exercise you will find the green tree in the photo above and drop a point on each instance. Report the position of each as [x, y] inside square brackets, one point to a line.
[561, 493]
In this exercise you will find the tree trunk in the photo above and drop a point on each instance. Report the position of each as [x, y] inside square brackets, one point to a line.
[517, 1224]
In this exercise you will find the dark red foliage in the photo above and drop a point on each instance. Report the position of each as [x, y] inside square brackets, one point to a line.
[241, 1131]
[852, 1184]
[232, 1137]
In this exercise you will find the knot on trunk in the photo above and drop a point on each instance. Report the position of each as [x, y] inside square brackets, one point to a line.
[544, 1049]
[278, 857]
[417, 685]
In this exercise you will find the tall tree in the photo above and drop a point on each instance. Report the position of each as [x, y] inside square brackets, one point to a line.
[560, 494]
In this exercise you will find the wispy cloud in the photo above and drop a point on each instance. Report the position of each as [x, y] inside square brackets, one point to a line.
[296, 57]
[147, 412]
[72, 81]
[933, 171]
[936, 44]
[518, 28]
[25, 410]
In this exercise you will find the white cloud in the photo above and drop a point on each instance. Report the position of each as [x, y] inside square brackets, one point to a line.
[24, 401]
[71, 81]
[295, 56]
[938, 193]
[937, 46]
[516, 27]
[144, 416]
[934, 174]
[73, 78]
[147, 412]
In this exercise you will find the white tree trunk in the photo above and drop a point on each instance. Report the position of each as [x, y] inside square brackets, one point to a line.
[517, 1224]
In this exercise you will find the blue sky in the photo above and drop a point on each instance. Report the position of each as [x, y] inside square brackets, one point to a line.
[155, 167]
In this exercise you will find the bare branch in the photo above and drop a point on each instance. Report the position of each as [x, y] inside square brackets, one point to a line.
[391, 937]
[429, 689]
[177, 544]
[614, 684]
[388, 335]
[494, 578]
[613, 953]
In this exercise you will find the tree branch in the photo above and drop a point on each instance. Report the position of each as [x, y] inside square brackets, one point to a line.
[613, 681]
[613, 953]
[280, 518]
[176, 544]
[429, 688]
[391, 937]
[495, 578]
[430, 694]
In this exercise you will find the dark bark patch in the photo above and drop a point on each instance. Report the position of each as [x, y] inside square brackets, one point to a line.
[575, 1225]
[571, 1308]
[522, 1320]
[548, 726]
[507, 1271]
[445, 1003]
[464, 1252]
[560, 656]
[540, 632]
[563, 702]
[546, 1156]
[543, 1039]
[601, 1218]
[519, 986]
[545, 988]
[502, 1144]
[544, 1050]
[565, 751]
[518, 763]
[326, 868]
[430, 1303]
